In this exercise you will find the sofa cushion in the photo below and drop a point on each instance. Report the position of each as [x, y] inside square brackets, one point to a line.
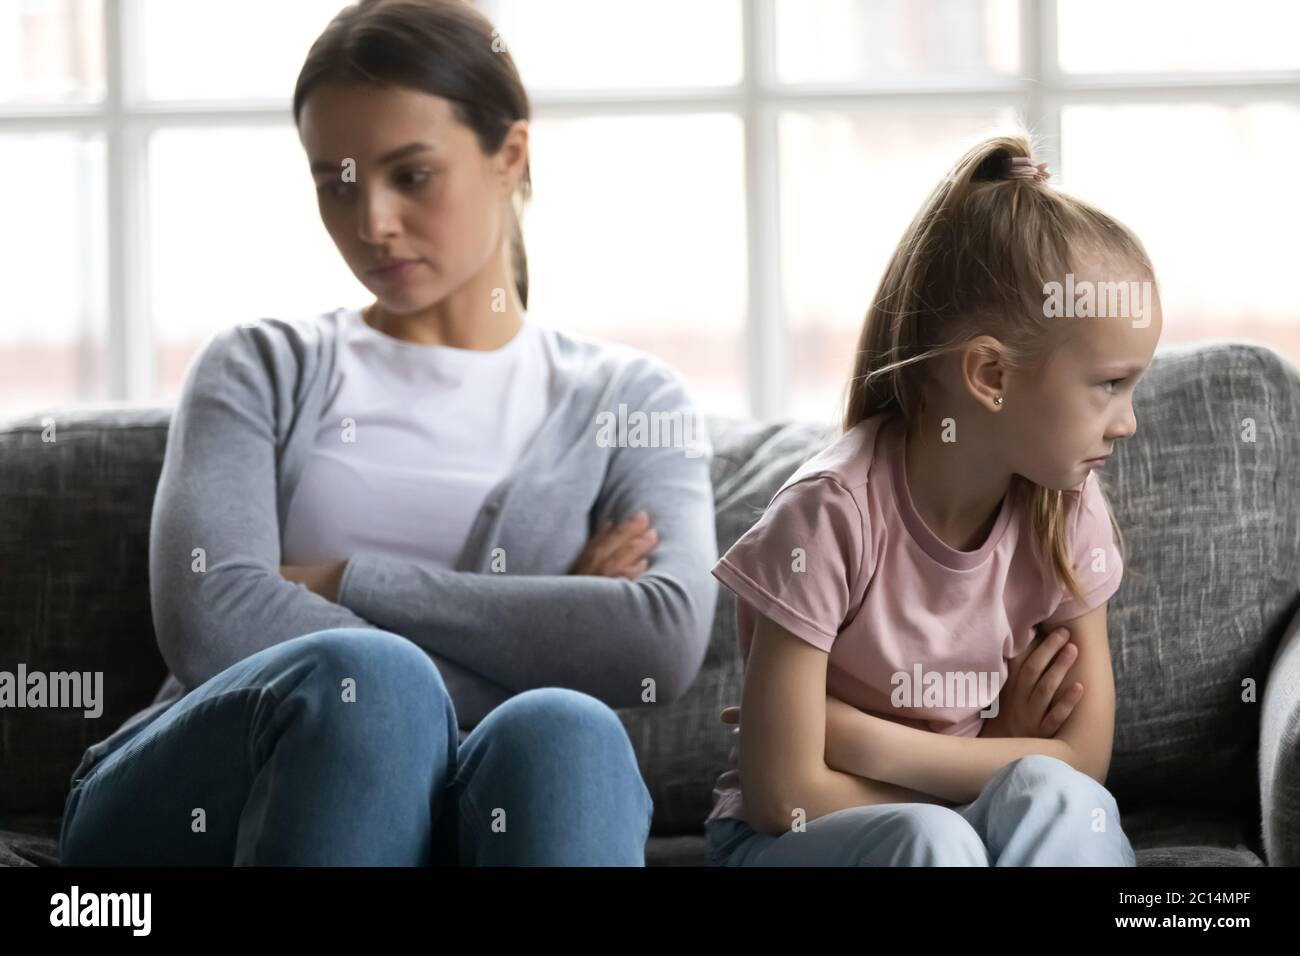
[1206, 494]
[74, 582]
[1210, 518]
[1162, 836]
[1165, 836]
[29, 839]
[681, 746]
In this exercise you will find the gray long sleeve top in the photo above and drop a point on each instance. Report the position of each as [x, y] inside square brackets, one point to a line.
[241, 433]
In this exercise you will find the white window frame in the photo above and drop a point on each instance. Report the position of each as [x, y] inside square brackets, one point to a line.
[1039, 94]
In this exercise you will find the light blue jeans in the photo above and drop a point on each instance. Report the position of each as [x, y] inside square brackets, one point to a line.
[1035, 811]
[341, 748]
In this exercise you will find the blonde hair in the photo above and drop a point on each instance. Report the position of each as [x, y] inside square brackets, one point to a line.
[974, 261]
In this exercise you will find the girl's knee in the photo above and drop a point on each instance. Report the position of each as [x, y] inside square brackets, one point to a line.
[1045, 770]
[939, 836]
[927, 834]
[1042, 775]
[942, 823]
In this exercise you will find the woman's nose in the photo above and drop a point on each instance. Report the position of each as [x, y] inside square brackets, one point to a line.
[377, 217]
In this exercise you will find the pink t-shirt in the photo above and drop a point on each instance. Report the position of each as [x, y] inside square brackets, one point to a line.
[917, 632]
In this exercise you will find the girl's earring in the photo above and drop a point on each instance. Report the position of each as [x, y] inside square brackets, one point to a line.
[997, 399]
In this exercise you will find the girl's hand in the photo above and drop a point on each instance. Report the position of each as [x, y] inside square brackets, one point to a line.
[731, 715]
[618, 551]
[1025, 704]
[323, 579]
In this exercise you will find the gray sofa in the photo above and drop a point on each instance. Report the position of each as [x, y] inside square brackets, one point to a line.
[1205, 772]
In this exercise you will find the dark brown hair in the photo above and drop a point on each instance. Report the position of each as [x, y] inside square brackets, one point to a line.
[974, 261]
[443, 47]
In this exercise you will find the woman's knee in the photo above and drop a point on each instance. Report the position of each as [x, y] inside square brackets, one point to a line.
[557, 713]
[371, 659]
[368, 673]
[565, 731]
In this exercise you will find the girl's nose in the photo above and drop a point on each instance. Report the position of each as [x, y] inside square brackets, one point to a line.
[1128, 424]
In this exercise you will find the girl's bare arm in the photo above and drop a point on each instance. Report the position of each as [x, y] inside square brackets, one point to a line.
[1079, 728]
[953, 768]
[783, 769]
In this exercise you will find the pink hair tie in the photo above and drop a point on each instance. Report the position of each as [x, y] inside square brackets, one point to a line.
[1022, 167]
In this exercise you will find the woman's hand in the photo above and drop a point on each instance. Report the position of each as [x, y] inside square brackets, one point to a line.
[1025, 703]
[323, 579]
[618, 551]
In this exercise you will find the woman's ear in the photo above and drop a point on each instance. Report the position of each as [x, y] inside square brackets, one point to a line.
[512, 157]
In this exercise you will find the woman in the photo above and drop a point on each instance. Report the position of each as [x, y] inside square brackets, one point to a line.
[399, 581]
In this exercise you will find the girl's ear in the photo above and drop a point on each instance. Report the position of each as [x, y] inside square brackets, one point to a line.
[982, 370]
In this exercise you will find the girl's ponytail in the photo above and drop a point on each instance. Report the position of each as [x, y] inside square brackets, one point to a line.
[904, 314]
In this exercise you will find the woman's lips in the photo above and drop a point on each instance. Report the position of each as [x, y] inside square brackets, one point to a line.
[395, 273]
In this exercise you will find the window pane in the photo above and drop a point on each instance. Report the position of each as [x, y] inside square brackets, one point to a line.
[236, 49]
[235, 235]
[1212, 201]
[879, 41]
[850, 184]
[52, 247]
[1107, 36]
[51, 51]
[634, 239]
[593, 44]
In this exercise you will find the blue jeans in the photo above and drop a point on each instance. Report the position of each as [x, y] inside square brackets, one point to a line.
[341, 748]
[1035, 811]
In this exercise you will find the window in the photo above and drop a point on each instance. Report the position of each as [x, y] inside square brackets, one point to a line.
[163, 191]
[719, 182]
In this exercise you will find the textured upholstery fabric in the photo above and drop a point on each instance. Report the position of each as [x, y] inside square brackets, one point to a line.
[1204, 772]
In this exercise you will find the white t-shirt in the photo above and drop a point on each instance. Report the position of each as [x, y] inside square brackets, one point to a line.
[411, 440]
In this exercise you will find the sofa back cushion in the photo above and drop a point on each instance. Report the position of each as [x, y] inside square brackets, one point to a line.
[1206, 496]
[76, 492]
[1205, 492]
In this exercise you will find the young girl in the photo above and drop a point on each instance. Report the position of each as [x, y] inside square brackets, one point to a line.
[892, 590]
